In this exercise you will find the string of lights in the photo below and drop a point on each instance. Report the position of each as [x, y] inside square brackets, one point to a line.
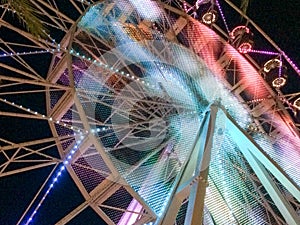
[223, 16]
[118, 76]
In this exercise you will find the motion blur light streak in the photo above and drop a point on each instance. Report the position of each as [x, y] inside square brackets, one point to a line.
[160, 113]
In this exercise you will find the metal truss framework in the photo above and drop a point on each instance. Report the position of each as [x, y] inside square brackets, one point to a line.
[194, 178]
[63, 99]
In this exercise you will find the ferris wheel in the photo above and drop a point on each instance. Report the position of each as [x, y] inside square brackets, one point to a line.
[146, 112]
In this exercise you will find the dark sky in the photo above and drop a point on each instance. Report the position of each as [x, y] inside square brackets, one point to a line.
[279, 19]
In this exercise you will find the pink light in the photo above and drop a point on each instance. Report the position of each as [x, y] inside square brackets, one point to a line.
[237, 29]
[132, 213]
[245, 48]
[207, 45]
[185, 6]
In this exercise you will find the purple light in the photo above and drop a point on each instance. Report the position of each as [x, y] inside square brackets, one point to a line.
[264, 52]
[132, 213]
[222, 15]
[291, 63]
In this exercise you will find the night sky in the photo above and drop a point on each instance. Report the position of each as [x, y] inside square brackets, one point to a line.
[279, 19]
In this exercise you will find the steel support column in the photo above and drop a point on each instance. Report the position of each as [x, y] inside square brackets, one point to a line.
[261, 164]
[192, 181]
[195, 208]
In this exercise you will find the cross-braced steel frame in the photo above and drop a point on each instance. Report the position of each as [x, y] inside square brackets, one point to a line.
[52, 98]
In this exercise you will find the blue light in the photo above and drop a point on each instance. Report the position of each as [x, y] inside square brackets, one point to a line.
[65, 162]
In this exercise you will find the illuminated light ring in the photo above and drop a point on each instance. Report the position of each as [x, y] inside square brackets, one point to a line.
[215, 68]
[272, 64]
[111, 91]
[239, 30]
[207, 45]
[209, 17]
[278, 82]
[245, 47]
[243, 36]
[296, 103]
[288, 145]
[199, 36]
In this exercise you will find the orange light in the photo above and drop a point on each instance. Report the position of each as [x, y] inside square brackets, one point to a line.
[209, 17]
[272, 64]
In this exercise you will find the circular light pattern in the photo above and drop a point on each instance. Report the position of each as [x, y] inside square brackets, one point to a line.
[153, 103]
[169, 98]
[279, 82]
[240, 30]
[209, 17]
[272, 64]
[241, 38]
[297, 103]
[245, 47]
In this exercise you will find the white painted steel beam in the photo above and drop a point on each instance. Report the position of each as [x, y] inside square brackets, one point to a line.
[261, 164]
[192, 181]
